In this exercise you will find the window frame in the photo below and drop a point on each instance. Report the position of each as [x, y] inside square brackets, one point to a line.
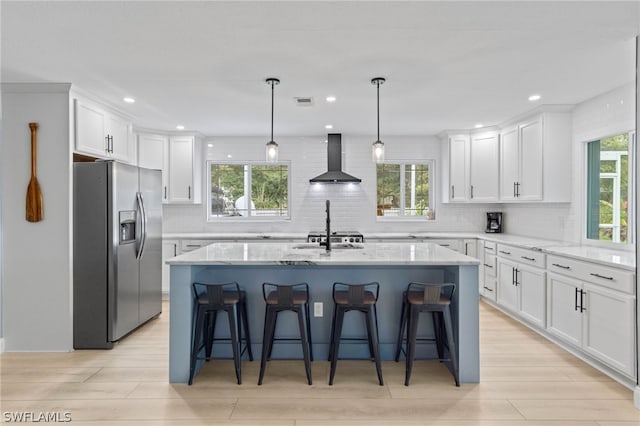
[247, 190]
[631, 214]
[431, 163]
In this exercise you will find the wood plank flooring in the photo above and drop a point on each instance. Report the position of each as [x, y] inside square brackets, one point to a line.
[526, 381]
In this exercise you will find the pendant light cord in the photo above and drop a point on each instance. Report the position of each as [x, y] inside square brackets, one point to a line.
[378, 103]
[272, 85]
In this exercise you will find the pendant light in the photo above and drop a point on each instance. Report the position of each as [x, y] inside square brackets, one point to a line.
[272, 146]
[377, 149]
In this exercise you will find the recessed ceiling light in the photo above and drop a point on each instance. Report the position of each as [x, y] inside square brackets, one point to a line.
[328, 126]
[229, 156]
[534, 98]
[210, 145]
[180, 127]
[479, 125]
[129, 100]
[331, 98]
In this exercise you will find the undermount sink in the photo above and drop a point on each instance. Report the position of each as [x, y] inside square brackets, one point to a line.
[337, 246]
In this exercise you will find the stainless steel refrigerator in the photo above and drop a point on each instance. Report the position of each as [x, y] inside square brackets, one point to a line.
[117, 251]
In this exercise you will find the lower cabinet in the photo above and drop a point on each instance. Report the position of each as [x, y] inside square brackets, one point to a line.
[596, 319]
[522, 289]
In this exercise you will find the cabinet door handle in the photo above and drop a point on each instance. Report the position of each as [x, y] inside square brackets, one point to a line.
[175, 250]
[517, 283]
[106, 143]
[517, 189]
[528, 258]
[601, 276]
[575, 307]
[514, 189]
[165, 192]
[471, 191]
[111, 138]
[513, 276]
[582, 308]
[504, 252]
[189, 191]
[561, 266]
[453, 191]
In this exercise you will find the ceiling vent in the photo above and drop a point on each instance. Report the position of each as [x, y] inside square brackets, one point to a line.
[304, 101]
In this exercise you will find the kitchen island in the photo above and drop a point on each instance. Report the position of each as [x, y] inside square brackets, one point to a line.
[393, 265]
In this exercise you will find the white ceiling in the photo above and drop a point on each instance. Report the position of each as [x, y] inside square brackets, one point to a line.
[449, 65]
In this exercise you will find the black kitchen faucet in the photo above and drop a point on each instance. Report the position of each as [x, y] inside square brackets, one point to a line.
[327, 242]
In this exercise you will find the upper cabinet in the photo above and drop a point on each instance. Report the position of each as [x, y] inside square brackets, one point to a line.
[483, 185]
[458, 168]
[529, 160]
[102, 132]
[153, 153]
[473, 167]
[535, 159]
[179, 159]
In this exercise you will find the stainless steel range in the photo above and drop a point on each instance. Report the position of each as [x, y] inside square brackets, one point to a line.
[336, 237]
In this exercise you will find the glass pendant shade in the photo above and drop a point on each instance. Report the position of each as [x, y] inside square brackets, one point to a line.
[272, 151]
[377, 151]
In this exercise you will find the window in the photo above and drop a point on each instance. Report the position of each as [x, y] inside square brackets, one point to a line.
[405, 189]
[610, 189]
[243, 190]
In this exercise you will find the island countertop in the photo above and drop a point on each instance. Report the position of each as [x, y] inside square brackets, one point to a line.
[256, 253]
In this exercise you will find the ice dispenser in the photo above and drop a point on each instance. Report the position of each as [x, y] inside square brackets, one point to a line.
[127, 226]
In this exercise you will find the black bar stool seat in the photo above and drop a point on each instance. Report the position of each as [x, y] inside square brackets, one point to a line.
[436, 299]
[355, 297]
[211, 299]
[286, 297]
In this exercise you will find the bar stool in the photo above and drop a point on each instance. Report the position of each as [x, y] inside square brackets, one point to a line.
[286, 297]
[210, 299]
[434, 298]
[355, 297]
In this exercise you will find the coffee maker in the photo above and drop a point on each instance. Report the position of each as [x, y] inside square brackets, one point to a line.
[494, 222]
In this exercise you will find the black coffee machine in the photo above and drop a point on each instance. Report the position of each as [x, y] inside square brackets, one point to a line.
[494, 222]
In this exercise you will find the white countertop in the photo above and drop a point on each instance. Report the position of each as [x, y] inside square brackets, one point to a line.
[256, 253]
[607, 257]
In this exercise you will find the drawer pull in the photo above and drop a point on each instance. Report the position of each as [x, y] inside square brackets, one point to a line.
[489, 248]
[528, 258]
[505, 252]
[488, 266]
[601, 276]
[561, 266]
[488, 289]
[444, 245]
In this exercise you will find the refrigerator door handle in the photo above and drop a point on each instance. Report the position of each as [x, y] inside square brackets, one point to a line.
[143, 223]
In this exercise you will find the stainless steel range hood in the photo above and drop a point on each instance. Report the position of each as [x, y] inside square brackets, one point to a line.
[334, 172]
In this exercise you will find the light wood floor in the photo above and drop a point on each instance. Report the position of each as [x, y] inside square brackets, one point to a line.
[525, 381]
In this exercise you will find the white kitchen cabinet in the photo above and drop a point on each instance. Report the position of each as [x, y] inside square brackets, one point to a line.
[153, 153]
[170, 248]
[522, 283]
[459, 168]
[489, 268]
[452, 244]
[521, 162]
[599, 319]
[484, 163]
[535, 158]
[473, 167]
[184, 170]
[102, 133]
[469, 248]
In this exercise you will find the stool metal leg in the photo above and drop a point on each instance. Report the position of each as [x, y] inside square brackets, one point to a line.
[373, 339]
[269, 328]
[333, 330]
[403, 324]
[336, 342]
[308, 319]
[196, 342]
[305, 343]
[412, 331]
[209, 333]
[245, 323]
[235, 342]
[452, 346]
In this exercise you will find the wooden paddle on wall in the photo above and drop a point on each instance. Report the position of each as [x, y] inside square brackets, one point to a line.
[34, 194]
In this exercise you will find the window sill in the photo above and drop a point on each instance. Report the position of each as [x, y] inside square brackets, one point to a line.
[404, 219]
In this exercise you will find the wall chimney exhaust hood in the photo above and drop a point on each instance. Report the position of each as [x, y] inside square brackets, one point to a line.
[334, 173]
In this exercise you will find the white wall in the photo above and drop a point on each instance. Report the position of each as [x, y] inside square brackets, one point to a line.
[36, 261]
[353, 206]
